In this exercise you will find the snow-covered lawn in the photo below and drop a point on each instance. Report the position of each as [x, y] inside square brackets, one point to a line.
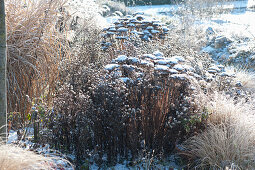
[237, 24]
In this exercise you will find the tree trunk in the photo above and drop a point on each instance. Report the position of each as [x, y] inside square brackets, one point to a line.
[3, 96]
[126, 2]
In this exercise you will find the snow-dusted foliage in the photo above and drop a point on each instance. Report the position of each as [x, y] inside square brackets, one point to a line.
[128, 106]
[137, 88]
[13, 157]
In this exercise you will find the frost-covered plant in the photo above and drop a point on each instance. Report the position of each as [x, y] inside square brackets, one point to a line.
[204, 9]
[80, 11]
[187, 19]
[40, 34]
[13, 157]
[117, 118]
[229, 139]
[244, 77]
[113, 8]
[85, 45]
[83, 28]
[35, 49]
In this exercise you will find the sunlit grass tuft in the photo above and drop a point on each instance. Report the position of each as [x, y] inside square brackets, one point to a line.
[244, 76]
[229, 140]
[35, 48]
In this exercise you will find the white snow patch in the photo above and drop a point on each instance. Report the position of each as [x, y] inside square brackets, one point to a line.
[147, 63]
[216, 68]
[13, 136]
[111, 67]
[179, 58]
[161, 68]
[122, 29]
[172, 60]
[173, 71]
[162, 62]
[150, 56]
[158, 54]
[178, 67]
[134, 59]
[121, 58]
[225, 74]
[125, 79]
[208, 50]
[179, 76]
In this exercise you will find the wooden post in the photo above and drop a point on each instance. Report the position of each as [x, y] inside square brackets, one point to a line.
[3, 61]
[36, 125]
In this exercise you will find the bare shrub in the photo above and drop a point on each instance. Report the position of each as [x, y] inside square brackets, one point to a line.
[71, 125]
[97, 114]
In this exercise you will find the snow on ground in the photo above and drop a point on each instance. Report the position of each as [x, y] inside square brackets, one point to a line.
[237, 19]
[233, 31]
[145, 163]
[238, 29]
[12, 137]
[154, 10]
[237, 23]
[42, 149]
